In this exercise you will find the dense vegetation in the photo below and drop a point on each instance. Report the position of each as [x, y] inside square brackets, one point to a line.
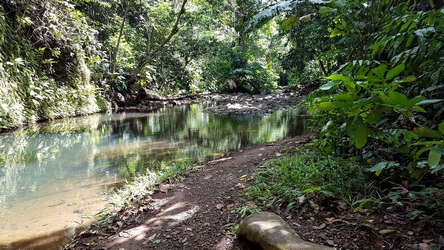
[63, 58]
[378, 66]
[379, 69]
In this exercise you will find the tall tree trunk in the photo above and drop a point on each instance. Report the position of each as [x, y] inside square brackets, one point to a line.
[116, 49]
[149, 55]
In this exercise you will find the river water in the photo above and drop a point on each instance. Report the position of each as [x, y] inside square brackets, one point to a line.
[54, 177]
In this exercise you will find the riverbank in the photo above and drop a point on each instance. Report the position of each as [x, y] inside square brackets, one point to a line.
[230, 103]
[204, 210]
[198, 213]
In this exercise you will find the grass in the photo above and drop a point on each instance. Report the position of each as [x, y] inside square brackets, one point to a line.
[294, 179]
[132, 194]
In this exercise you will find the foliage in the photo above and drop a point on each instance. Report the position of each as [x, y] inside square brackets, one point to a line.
[388, 108]
[292, 180]
[42, 75]
[381, 97]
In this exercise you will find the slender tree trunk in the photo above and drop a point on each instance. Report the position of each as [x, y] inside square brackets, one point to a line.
[148, 56]
[116, 49]
[324, 71]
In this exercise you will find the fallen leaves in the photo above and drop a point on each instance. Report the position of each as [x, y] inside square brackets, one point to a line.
[322, 226]
[330, 242]
[251, 204]
[342, 206]
[87, 233]
[386, 231]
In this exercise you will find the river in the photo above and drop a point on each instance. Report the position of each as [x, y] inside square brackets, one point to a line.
[54, 177]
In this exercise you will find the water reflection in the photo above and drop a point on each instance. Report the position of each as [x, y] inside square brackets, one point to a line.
[53, 176]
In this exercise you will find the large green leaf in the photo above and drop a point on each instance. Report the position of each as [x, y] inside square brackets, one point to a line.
[377, 168]
[441, 127]
[331, 105]
[394, 72]
[380, 71]
[395, 98]
[429, 133]
[374, 115]
[361, 135]
[328, 85]
[338, 77]
[429, 101]
[289, 23]
[434, 157]
[346, 97]
[358, 131]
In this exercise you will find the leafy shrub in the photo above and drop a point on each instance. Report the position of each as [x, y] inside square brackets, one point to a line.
[388, 111]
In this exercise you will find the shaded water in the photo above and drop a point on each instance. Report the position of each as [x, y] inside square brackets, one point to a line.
[54, 176]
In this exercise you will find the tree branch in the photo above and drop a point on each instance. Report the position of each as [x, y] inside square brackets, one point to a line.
[147, 58]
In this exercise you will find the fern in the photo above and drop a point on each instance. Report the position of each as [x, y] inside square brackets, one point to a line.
[271, 11]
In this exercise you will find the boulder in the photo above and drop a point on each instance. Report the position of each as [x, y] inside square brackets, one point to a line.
[271, 232]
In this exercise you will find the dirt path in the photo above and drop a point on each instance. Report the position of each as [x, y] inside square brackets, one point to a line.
[196, 213]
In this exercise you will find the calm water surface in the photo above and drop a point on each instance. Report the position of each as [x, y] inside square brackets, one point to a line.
[54, 176]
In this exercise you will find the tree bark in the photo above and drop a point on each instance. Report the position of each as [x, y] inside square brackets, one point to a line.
[148, 56]
[116, 49]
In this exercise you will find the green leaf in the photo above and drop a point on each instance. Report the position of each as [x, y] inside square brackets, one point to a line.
[380, 71]
[395, 98]
[414, 101]
[364, 203]
[429, 101]
[438, 168]
[328, 85]
[311, 189]
[374, 116]
[408, 79]
[394, 72]
[428, 143]
[361, 135]
[429, 133]
[346, 97]
[434, 157]
[338, 77]
[350, 85]
[409, 41]
[331, 105]
[358, 131]
[441, 127]
[377, 168]
[289, 23]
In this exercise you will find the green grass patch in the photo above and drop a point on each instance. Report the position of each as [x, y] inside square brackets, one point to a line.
[294, 179]
[134, 194]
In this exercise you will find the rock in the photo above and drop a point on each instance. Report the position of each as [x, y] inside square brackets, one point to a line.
[271, 232]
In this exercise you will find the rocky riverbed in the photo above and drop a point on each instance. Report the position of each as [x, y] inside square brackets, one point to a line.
[232, 103]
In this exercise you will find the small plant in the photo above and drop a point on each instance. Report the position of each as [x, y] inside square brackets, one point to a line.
[246, 210]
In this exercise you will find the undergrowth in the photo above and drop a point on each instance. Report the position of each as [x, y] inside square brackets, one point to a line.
[294, 179]
[311, 178]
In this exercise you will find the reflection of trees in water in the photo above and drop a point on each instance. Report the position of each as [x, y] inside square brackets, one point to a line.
[26, 152]
[130, 143]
